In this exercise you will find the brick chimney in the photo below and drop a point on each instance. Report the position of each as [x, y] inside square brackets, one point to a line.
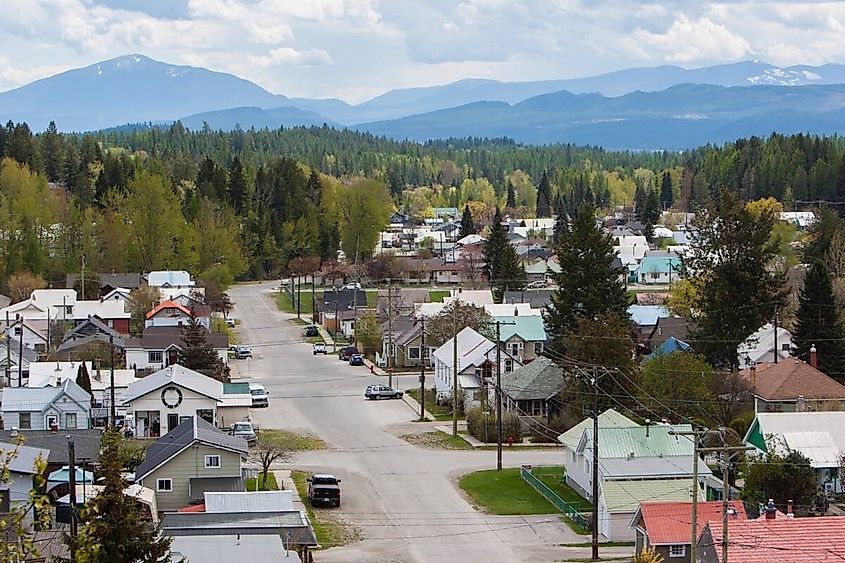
[770, 510]
[753, 372]
[814, 359]
[789, 513]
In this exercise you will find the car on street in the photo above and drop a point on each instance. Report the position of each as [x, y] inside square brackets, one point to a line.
[260, 396]
[352, 285]
[346, 352]
[536, 284]
[382, 392]
[320, 348]
[243, 352]
[230, 321]
[312, 331]
[356, 360]
[245, 430]
[324, 489]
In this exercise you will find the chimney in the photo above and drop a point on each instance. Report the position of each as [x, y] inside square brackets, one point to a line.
[515, 311]
[814, 360]
[647, 426]
[753, 377]
[770, 510]
[789, 513]
[800, 405]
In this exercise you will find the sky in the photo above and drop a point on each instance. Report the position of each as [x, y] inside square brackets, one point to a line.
[357, 49]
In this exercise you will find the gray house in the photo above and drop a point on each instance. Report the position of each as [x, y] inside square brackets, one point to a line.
[191, 459]
[530, 389]
[65, 407]
[22, 470]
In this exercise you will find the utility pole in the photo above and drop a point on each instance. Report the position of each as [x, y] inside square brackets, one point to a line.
[313, 297]
[298, 295]
[499, 393]
[455, 369]
[9, 351]
[82, 279]
[390, 335]
[20, 355]
[595, 526]
[72, 482]
[422, 369]
[334, 338]
[775, 321]
[112, 413]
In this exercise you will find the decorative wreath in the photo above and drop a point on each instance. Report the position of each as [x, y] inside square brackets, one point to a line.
[178, 397]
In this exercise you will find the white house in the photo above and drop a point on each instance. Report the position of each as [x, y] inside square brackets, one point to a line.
[52, 374]
[158, 403]
[470, 239]
[170, 279]
[174, 313]
[33, 339]
[46, 305]
[629, 247]
[760, 346]
[21, 467]
[67, 406]
[160, 346]
[476, 366]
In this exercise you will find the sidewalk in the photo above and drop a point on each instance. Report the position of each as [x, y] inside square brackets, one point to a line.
[410, 401]
[324, 334]
[475, 443]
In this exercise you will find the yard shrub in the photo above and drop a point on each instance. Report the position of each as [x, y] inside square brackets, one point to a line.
[511, 425]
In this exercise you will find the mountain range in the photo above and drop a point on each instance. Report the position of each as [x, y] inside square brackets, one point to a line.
[639, 108]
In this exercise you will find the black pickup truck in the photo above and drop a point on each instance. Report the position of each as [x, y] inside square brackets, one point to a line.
[324, 489]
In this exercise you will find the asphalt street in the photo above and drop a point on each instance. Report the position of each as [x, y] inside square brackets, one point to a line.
[401, 497]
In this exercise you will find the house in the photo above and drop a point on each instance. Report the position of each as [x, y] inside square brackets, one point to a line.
[109, 282]
[160, 346]
[476, 363]
[228, 548]
[495, 310]
[666, 328]
[538, 299]
[170, 279]
[118, 294]
[341, 305]
[760, 346]
[406, 342]
[665, 526]
[292, 525]
[192, 458]
[398, 301]
[797, 540]
[801, 219]
[619, 501]
[88, 332]
[658, 267]
[24, 330]
[470, 239]
[542, 270]
[523, 336]
[432, 270]
[793, 385]
[15, 362]
[645, 319]
[86, 443]
[173, 313]
[668, 347]
[20, 464]
[817, 435]
[630, 248]
[53, 374]
[45, 305]
[165, 399]
[65, 407]
[529, 390]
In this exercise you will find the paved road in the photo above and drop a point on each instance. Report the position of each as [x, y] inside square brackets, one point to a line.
[401, 497]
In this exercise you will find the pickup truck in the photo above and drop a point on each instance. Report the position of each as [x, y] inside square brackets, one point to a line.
[324, 489]
[245, 430]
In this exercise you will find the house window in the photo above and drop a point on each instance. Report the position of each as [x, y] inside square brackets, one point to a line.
[164, 485]
[52, 421]
[427, 352]
[785, 347]
[25, 421]
[414, 353]
[538, 348]
[17, 331]
[677, 551]
[516, 347]
[212, 462]
[537, 408]
[155, 357]
[70, 420]
[508, 365]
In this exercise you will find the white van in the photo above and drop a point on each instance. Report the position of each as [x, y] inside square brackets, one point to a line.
[259, 395]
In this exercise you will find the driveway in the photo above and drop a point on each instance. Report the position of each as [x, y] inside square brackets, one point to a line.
[401, 497]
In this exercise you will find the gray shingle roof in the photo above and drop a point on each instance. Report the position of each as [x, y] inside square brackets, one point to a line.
[538, 380]
[86, 443]
[190, 431]
[175, 375]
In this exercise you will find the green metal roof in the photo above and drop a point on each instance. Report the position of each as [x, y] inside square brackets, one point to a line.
[626, 496]
[236, 388]
[642, 441]
[608, 419]
[541, 267]
[529, 328]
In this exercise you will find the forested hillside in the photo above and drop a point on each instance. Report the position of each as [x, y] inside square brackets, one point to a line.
[242, 204]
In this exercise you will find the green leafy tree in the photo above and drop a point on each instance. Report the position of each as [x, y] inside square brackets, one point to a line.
[650, 214]
[730, 265]
[198, 354]
[544, 197]
[681, 382]
[368, 331]
[365, 208]
[454, 317]
[111, 528]
[822, 233]
[467, 224]
[495, 247]
[780, 477]
[588, 284]
[819, 323]
[141, 301]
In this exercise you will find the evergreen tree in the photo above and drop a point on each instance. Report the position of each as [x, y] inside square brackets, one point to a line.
[314, 188]
[588, 285]
[639, 198]
[494, 249]
[511, 275]
[51, 152]
[735, 286]
[110, 525]
[83, 379]
[819, 323]
[561, 220]
[667, 198]
[511, 203]
[237, 185]
[467, 224]
[544, 197]
[651, 213]
[197, 353]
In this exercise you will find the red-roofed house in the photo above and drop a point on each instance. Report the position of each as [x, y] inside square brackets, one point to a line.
[797, 540]
[666, 527]
[173, 313]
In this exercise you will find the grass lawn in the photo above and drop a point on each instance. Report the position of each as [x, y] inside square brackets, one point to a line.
[296, 442]
[329, 529]
[552, 477]
[504, 492]
[286, 304]
[437, 295]
[439, 412]
[437, 440]
[270, 485]
[372, 298]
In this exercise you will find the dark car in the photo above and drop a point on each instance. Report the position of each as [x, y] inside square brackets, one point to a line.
[356, 360]
[312, 331]
[346, 352]
[324, 489]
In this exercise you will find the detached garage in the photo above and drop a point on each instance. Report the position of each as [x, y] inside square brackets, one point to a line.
[619, 501]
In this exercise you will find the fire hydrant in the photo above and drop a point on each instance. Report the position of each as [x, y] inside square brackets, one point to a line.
[510, 441]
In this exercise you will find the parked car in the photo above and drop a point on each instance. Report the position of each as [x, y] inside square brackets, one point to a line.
[259, 395]
[382, 392]
[312, 331]
[243, 352]
[230, 321]
[356, 360]
[352, 285]
[320, 348]
[536, 284]
[245, 430]
[346, 352]
[324, 489]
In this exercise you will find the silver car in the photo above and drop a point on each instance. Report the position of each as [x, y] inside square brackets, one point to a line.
[382, 392]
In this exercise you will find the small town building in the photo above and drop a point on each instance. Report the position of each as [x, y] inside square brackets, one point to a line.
[65, 407]
[530, 390]
[160, 346]
[792, 385]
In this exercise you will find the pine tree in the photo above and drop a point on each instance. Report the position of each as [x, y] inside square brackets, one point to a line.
[314, 188]
[197, 353]
[111, 528]
[651, 213]
[639, 198]
[511, 275]
[588, 284]
[667, 198]
[497, 243]
[511, 203]
[819, 323]
[544, 197]
[82, 377]
[467, 224]
[561, 220]
[237, 185]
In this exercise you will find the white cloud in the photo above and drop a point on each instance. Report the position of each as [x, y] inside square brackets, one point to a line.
[689, 41]
[284, 56]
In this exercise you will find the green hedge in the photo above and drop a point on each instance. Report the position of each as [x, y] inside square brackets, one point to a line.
[511, 425]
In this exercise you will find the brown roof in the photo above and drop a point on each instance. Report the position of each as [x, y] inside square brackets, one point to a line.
[429, 265]
[789, 378]
[162, 337]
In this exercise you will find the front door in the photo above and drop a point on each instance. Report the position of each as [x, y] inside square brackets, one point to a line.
[172, 421]
[172, 356]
